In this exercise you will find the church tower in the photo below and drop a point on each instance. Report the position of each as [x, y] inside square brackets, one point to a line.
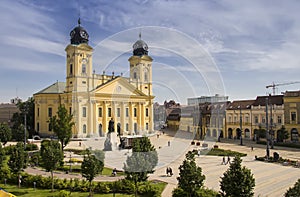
[141, 67]
[79, 61]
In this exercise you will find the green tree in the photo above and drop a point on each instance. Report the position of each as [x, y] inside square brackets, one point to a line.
[90, 168]
[5, 133]
[141, 162]
[17, 160]
[190, 178]
[293, 191]
[52, 156]
[27, 108]
[2, 155]
[62, 125]
[237, 180]
[19, 132]
[282, 134]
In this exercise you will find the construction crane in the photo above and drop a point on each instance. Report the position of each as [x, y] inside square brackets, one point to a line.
[273, 85]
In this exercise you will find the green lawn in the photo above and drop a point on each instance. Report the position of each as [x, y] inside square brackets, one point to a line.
[29, 192]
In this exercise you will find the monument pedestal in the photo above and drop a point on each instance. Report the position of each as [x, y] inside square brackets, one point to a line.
[112, 141]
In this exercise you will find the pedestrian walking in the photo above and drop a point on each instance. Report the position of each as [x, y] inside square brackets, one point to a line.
[170, 171]
[228, 160]
[167, 171]
[223, 161]
[251, 148]
[169, 143]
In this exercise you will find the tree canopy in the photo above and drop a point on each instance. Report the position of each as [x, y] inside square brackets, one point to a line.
[17, 160]
[293, 191]
[5, 133]
[142, 160]
[282, 134]
[62, 124]
[237, 180]
[27, 108]
[91, 167]
[190, 178]
[52, 156]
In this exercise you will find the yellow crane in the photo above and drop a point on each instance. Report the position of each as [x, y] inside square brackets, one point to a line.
[273, 85]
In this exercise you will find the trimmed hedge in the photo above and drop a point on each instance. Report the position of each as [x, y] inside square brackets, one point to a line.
[78, 185]
[222, 152]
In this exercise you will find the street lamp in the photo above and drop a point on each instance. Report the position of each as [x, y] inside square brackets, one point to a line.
[267, 129]
[25, 125]
[241, 129]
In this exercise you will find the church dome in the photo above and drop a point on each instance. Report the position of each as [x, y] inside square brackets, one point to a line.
[140, 47]
[79, 35]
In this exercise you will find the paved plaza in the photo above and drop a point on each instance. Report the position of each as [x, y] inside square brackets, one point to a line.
[271, 179]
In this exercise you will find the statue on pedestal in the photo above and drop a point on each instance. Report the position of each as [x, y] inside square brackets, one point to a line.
[111, 142]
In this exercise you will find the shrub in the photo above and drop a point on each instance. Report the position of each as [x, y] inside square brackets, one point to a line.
[102, 188]
[31, 147]
[148, 190]
[64, 193]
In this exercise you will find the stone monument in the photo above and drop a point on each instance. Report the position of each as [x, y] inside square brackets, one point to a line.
[111, 141]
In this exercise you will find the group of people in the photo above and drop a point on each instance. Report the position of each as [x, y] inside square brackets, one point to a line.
[169, 171]
[224, 160]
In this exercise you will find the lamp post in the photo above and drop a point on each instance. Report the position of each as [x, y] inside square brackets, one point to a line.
[25, 125]
[267, 129]
[241, 128]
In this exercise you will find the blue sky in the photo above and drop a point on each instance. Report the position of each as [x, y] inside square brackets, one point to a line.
[200, 47]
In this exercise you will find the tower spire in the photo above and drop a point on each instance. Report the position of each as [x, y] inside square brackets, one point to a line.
[79, 22]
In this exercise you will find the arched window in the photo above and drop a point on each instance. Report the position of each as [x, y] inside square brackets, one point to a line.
[83, 68]
[134, 75]
[146, 74]
[100, 130]
[71, 69]
[84, 128]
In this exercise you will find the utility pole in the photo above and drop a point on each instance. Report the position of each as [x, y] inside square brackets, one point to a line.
[271, 124]
[25, 125]
[241, 124]
[267, 129]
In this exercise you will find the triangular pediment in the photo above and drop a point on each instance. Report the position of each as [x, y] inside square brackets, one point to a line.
[118, 86]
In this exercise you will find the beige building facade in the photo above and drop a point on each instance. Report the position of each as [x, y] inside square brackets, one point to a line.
[95, 99]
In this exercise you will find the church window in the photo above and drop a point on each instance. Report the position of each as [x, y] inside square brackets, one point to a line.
[70, 110]
[49, 127]
[134, 75]
[84, 112]
[147, 112]
[109, 112]
[38, 127]
[83, 68]
[146, 75]
[50, 112]
[99, 112]
[118, 112]
[127, 126]
[84, 128]
[127, 111]
[71, 69]
[135, 112]
[38, 112]
[147, 126]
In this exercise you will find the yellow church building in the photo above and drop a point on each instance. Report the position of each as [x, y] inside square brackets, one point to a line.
[94, 99]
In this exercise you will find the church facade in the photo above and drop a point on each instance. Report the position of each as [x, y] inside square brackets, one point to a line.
[95, 99]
